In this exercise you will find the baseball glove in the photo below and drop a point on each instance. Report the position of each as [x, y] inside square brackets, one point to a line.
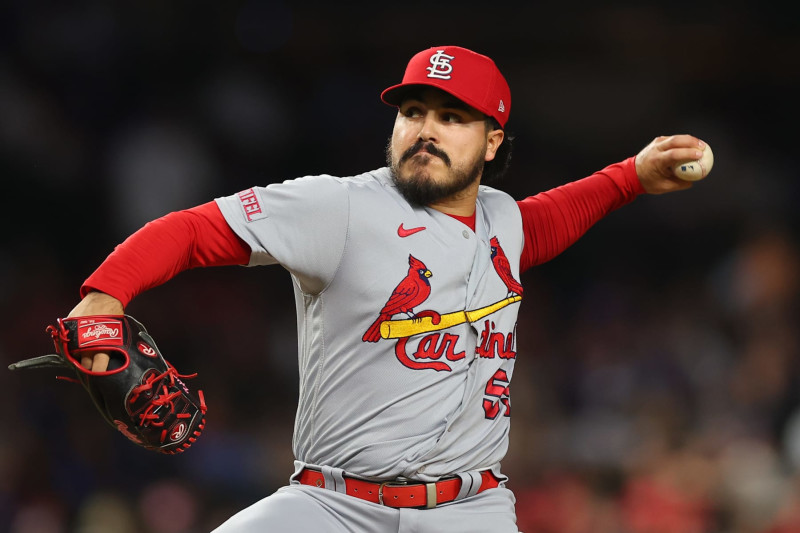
[140, 394]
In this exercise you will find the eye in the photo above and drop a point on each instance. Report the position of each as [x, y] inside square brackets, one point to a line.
[453, 118]
[411, 111]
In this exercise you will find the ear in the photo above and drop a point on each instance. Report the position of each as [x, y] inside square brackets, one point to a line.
[493, 141]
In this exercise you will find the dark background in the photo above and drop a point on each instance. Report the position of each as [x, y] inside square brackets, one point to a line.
[656, 382]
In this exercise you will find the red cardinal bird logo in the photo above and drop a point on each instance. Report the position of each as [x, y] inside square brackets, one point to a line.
[409, 293]
[503, 268]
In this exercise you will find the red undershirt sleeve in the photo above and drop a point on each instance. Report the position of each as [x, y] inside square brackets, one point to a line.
[196, 237]
[555, 219]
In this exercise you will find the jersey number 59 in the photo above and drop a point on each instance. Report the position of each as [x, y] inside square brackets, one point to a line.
[498, 392]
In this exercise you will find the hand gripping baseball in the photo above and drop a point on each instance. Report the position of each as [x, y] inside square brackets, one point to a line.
[140, 394]
[655, 164]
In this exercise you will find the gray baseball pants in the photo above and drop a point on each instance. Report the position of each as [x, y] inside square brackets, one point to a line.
[301, 508]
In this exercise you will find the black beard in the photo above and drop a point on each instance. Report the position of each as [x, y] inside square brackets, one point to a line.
[418, 189]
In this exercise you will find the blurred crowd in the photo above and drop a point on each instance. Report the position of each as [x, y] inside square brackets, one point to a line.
[656, 389]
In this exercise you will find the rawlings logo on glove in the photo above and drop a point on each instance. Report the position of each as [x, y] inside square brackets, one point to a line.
[92, 331]
[141, 394]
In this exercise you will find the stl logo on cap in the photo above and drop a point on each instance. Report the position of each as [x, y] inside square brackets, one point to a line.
[440, 65]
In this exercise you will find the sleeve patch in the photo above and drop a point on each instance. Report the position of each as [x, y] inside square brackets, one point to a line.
[251, 206]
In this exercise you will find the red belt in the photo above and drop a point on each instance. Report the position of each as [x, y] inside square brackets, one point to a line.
[400, 493]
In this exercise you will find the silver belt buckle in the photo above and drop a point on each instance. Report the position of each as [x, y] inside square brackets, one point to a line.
[391, 483]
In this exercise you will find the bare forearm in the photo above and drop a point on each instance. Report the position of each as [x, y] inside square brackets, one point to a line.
[97, 303]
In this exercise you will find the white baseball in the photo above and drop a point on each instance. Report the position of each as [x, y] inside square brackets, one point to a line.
[696, 170]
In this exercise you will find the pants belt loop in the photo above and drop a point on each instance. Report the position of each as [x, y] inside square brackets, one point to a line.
[470, 484]
[430, 493]
[334, 479]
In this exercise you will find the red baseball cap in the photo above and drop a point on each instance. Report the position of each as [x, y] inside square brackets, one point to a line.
[471, 77]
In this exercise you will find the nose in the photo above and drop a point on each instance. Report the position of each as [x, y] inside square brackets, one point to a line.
[428, 128]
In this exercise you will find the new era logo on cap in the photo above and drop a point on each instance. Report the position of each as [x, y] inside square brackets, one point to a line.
[471, 77]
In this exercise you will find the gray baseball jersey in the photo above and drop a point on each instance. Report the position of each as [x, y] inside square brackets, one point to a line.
[406, 322]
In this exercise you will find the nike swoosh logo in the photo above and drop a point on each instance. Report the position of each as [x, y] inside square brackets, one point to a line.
[403, 232]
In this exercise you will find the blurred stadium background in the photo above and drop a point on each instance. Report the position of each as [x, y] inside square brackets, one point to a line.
[656, 389]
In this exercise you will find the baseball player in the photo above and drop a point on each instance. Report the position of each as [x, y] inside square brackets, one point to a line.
[407, 289]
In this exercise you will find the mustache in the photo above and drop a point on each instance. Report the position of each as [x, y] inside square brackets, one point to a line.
[428, 147]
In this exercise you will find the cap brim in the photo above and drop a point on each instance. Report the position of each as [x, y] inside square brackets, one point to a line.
[394, 95]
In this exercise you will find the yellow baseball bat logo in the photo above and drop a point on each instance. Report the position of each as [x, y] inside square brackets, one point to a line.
[408, 327]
